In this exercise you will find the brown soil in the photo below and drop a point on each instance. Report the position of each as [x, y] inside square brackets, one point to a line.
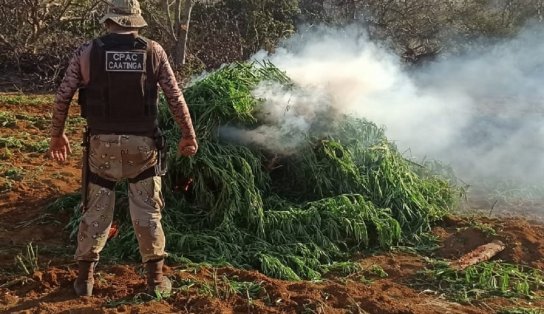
[120, 288]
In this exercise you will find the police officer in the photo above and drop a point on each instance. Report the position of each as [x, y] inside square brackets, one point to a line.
[117, 76]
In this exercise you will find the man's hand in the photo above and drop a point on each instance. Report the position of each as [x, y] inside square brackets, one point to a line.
[187, 147]
[59, 148]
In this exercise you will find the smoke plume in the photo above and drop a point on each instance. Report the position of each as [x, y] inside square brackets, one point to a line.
[481, 112]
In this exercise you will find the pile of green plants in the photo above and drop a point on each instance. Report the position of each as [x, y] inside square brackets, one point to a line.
[346, 189]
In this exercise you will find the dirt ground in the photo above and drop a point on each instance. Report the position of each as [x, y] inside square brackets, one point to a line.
[28, 182]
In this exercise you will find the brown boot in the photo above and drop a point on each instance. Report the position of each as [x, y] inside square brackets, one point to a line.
[83, 285]
[156, 281]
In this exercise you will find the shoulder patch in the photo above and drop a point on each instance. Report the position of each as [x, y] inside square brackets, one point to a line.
[125, 61]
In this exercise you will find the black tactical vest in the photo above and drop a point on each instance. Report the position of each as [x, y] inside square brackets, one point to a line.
[121, 96]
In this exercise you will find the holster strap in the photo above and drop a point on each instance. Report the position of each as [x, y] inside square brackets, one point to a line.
[98, 180]
[148, 173]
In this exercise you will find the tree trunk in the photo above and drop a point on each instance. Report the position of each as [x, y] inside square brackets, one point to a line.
[182, 29]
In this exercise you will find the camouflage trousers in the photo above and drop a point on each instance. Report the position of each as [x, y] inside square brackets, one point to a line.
[118, 157]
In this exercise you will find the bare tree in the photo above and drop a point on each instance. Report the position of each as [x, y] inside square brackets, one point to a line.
[177, 26]
[180, 50]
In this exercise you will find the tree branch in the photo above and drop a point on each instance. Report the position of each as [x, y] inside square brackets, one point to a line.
[166, 7]
[166, 29]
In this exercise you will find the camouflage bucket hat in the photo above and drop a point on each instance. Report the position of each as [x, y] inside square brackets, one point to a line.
[126, 13]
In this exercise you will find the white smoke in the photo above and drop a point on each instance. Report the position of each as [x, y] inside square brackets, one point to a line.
[287, 115]
[482, 112]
